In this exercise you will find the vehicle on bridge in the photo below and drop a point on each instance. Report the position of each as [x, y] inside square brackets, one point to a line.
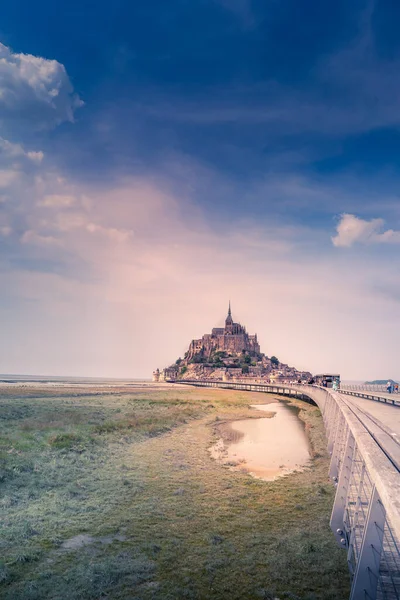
[327, 380]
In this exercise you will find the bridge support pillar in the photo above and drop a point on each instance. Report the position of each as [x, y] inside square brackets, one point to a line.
[365, 581]
[337, 517]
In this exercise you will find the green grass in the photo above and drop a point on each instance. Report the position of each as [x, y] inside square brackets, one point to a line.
[131, 468]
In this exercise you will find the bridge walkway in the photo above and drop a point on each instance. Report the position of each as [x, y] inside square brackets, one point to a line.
[387, 414]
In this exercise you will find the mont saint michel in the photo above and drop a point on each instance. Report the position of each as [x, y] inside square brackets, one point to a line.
[229, 353]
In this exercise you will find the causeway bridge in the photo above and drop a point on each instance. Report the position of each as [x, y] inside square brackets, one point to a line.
[364, 444]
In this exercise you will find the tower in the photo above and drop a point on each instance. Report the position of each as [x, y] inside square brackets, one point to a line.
[229, 321]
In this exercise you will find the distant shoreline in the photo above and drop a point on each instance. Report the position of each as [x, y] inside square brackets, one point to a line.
[18, 378]
[380, 381]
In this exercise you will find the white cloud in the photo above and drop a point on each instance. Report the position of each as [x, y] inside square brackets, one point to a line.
[352, 229]
[36, 157]
[57, 200]
[33, 237]
[34, 91]
[10, 151]
[114, 234]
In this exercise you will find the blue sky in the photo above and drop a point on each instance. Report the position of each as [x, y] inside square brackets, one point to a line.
[157, 158]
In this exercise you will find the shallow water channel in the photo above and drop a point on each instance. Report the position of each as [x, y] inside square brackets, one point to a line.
[266, 448]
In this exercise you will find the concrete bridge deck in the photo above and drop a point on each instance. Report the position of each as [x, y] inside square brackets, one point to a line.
[387, 414]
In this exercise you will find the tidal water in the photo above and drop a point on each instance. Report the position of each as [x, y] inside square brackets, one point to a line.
[67, 381]
[267, 448]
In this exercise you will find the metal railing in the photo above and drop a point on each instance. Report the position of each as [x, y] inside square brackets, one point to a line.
[364, 387]
[393, 399]
[365, 467]
[366, 513]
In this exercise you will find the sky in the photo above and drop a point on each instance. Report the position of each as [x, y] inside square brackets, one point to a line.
[158, 159]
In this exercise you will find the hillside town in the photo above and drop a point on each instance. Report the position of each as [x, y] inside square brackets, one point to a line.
[229, 354]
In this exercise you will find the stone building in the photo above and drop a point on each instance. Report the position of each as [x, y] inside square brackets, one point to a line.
[168, 374]
[232, 339]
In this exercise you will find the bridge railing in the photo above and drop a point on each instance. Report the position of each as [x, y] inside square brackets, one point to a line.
[364, 387]
[393, 399]
[366, 513]
[365, 468]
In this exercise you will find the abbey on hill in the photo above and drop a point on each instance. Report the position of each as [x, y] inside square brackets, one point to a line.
[229, 353]
[231, 339]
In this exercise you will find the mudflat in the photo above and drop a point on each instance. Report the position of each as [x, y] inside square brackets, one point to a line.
[113, 493]
[269, 447]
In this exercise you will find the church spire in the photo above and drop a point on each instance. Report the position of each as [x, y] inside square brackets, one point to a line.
[229, 320]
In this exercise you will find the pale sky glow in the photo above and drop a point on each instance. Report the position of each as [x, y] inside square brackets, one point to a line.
[134, 203]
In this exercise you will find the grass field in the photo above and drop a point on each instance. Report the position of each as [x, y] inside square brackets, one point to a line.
[113, 494]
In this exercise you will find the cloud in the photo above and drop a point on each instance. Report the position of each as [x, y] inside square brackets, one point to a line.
[114, 234]
[57, 200]
[7, 177]
[33, 237]
[35, 93]
[10, 150]
[352, 229]
[36, 157]
[18, 169]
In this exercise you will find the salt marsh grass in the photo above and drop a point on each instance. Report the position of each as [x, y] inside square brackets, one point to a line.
[129, 472]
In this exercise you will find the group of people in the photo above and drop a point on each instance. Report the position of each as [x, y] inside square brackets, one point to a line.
[392, 387]
[325, 382]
